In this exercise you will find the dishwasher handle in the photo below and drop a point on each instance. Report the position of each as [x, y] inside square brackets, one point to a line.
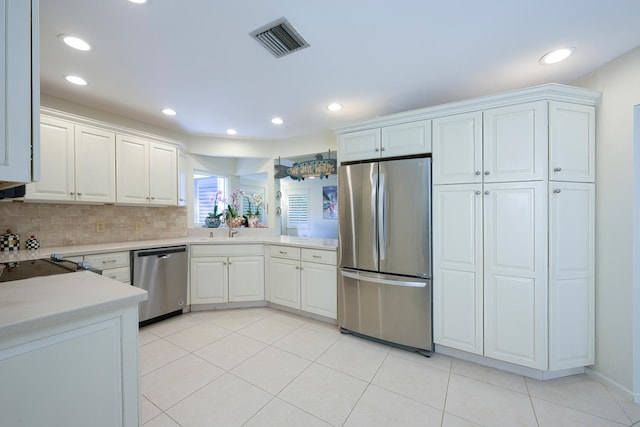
[162, 253]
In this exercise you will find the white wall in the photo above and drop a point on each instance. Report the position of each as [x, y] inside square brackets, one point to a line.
[308, 144]
[619, 83]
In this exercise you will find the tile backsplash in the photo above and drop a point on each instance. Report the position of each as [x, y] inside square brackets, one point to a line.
[75, 224]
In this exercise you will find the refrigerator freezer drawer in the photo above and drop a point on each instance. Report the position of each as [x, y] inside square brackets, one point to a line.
[389, 308]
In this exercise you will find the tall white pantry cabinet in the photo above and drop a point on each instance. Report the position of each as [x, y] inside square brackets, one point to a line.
[513, 221]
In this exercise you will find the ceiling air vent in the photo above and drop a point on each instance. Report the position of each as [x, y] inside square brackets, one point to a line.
[279, 37]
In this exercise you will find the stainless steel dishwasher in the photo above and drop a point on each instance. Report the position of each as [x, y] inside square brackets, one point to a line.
[162, 272]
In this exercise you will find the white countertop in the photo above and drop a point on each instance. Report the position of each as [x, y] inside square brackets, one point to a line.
[31, 304]
[306, 242]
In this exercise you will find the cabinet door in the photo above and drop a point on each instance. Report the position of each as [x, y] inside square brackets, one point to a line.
[163, 182]
[57, 176]
[406, 139]
[246, 278]
[284, 280]
[359, 145]
[20, 101]
[319, 289]
[95, 165]
[457, 273]
[571, 275]
[515, 273]
[182, 178]
[209, 280]
[457, 149]
[572, 142]
[132, 168]
[515, 143]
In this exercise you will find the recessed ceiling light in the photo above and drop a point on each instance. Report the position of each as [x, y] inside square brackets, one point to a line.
[169, 112]
[76, 80]
[277, 121]
[75, 42]
[334, 107]
[138, 1]
[231, 132]
[557, 55]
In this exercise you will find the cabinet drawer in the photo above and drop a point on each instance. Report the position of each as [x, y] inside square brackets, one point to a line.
[121, 274]
[284, 252]
[319, 256]
[226, 250]
[109, 260]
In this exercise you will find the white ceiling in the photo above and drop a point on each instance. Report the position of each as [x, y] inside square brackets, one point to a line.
[373, 56]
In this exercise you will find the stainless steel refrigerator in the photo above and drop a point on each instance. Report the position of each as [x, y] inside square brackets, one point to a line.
[384, 286]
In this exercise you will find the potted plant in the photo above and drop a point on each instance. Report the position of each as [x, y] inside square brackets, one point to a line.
[253, 216]
[231, 214]
[213, 220]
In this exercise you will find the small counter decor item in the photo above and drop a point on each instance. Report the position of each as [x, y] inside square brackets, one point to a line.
[32, 243]
[253, 216]
[213, 220]
[9, 241]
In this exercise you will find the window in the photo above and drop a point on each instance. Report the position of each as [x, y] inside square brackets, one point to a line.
[298, 214]
[205, 189]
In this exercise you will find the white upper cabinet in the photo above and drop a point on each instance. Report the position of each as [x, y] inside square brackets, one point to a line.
[132, 167]
[78, 164]
[19, 92]
[57, 170]
[95, 165]
[457, 149]
[163, 174]
[503, 144]
[360, 145]
[515, 143]
[571, 142]
[406, 139]
[389, 141]
[182, 178]
[147, 172]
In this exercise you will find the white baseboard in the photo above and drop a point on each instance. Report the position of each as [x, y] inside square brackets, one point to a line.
[506, 366]
[631, 396]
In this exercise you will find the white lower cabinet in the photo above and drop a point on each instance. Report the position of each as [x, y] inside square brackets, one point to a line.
[285, 281]
[318, 289]
[304, 279]
[246, 278]
[514, 272]
[571, 275]
[223, 273]
[114, 265]
[72, 372]
[458, 273]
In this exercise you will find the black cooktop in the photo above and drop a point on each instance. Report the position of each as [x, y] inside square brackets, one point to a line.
[10, 271]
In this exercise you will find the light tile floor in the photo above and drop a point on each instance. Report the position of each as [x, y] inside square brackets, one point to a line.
[265, 367]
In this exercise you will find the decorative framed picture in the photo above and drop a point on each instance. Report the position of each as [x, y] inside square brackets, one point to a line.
[330, 202]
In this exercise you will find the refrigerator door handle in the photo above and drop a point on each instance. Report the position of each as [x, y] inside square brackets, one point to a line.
[374, 279]
[376, 240]
[382, 217]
